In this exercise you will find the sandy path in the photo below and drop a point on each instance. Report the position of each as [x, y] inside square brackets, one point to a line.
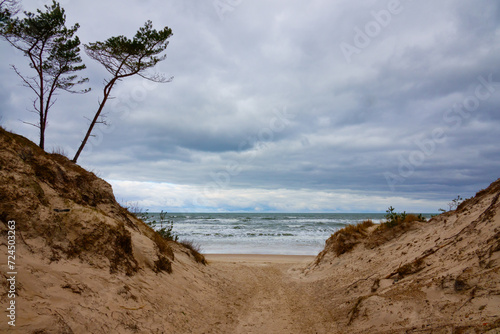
[269, 307]
[270, 296]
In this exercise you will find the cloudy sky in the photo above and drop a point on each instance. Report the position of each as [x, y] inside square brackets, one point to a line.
[286, 106]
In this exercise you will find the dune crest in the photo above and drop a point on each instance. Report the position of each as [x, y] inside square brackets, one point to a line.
[440, 276]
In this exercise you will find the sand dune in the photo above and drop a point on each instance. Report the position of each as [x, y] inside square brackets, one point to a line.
[86, 265]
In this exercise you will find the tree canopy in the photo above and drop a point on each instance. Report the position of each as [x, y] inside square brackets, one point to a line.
[53, 52]
[124, 57]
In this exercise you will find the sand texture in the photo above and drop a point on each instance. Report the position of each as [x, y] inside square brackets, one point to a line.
[86, 265]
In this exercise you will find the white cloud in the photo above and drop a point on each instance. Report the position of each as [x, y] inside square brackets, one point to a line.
[212, 198]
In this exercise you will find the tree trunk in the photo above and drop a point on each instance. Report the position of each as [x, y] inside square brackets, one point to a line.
[43, 120]
[107, 91]
[42, 138]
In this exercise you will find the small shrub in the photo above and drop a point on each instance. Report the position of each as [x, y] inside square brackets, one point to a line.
[421, 218]
[165, 232]
[453, 205]
[394, 219]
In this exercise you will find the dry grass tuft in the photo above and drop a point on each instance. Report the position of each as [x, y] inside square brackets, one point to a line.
[346, 239]
[395, 225]
[410, 268]
[195, 251]
[163, 246]
[114, 243]
[163, 264]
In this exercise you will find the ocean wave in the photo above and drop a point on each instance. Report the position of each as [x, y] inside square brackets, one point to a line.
[266, 233]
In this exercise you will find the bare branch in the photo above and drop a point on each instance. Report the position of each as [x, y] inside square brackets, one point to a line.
[35, 125]
[101, 120]
[156, 77]
[26, 82]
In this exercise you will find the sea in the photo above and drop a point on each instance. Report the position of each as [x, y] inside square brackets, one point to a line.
[261, 233]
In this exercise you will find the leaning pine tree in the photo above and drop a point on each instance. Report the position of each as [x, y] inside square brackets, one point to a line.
[123, 57]
[53, 53]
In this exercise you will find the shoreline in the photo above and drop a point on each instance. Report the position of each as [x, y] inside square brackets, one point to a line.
[259, 258]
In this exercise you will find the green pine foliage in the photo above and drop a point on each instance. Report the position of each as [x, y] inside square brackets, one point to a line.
[394, 219]
[166, 227]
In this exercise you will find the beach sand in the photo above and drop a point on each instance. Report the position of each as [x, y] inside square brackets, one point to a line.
[244, 294]
[270, 294]
[259, 258]
[93, 267]
[232, 294]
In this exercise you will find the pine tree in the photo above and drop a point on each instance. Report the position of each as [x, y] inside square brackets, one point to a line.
[53, 53]
[123, 57]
